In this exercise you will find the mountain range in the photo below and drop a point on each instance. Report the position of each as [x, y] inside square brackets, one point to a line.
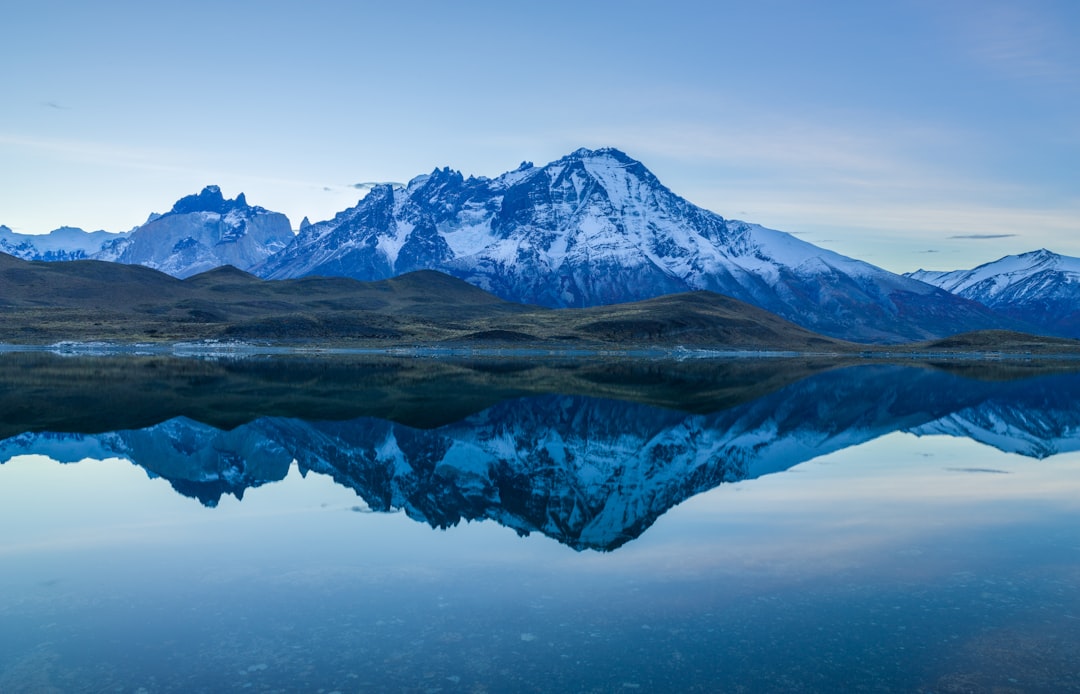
[65, 243]
[597, 227]
[1038, 287]
[201, 232]
[590, 472]
[593, 228]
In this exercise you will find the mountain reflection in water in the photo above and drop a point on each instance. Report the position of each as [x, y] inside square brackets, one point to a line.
[588, 455]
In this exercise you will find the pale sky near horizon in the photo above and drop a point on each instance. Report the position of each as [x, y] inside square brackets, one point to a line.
[915, 133]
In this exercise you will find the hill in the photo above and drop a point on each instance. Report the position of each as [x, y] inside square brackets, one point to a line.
[93, 300]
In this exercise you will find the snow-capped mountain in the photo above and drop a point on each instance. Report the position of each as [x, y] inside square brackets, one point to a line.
[589, 472]
[596, 227]
[1039, 287]
[65, 243]
[202, 232]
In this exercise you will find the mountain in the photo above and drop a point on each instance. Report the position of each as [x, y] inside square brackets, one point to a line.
[65, 243]
[1040, 287]
[202, 232]
[596, 228]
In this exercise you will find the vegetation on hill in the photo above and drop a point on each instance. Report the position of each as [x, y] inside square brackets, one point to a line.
[88, 300]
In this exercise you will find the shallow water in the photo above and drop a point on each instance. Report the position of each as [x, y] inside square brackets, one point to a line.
[922, 538]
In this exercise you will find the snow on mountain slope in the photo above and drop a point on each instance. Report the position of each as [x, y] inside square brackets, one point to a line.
[1039, 287]
[65, 243]
[596, 227]
[202, 232]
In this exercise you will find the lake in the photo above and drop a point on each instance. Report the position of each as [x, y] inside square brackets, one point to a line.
[373, 524]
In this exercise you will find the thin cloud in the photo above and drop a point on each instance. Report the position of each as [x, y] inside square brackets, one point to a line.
[1021, 43]
[983, 236]
[148, 159]
[368, 185]
[56, 105]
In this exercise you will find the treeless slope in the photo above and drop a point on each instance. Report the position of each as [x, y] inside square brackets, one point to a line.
[1001, 341]
[83, 283]
[92, 300]
[696, 319]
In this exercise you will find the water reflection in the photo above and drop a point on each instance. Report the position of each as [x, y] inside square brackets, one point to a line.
[912, 562]
[510, 442]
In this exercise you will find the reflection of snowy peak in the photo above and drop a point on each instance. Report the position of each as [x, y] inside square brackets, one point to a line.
[1038, 420]
[596, 227]
[197, 459]
[202, 232]
[589, 472]
[1040, 287]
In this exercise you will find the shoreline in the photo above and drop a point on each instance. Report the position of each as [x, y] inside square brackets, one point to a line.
[237, 349]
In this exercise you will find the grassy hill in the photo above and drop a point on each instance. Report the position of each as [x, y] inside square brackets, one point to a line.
[92, 300]
[1001, 341]
[42, 303]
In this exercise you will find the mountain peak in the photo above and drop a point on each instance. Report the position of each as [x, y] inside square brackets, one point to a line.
[583, 153]
[1041, 255]
[209, 199]
[1039, 287]
[597, 227]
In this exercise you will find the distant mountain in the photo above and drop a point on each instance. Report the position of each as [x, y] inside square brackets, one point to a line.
[65, 243]
[595, 228]
[199, 233]
[1040, 287]
[202, 232]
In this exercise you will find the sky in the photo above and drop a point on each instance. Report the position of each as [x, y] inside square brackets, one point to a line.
[908, 133]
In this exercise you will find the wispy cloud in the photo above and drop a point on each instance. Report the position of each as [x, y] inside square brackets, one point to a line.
[949, 219]
[885, 162]
[368, 185]
[157, 159]
[1021, 41]
[55, 105]
[145, 158]
[983, 236]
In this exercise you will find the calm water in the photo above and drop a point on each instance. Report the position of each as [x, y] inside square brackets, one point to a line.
[417, 526]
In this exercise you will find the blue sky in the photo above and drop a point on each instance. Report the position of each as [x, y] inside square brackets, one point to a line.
[936, 134]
